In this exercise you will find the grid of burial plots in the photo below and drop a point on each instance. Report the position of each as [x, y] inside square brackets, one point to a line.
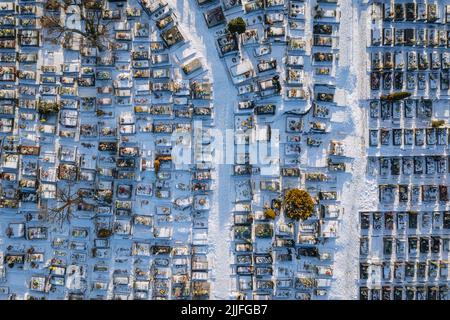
[91, 203]
[285, 46]
[404, 242]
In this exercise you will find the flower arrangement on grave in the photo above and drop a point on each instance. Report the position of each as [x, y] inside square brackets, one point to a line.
[48, 107]
[269, 213]
[104, 233]
[396, 96]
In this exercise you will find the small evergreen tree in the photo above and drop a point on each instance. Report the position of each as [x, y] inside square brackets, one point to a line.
[237, 26]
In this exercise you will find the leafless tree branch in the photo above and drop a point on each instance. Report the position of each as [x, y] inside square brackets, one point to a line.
[63, 213]
[94, 30]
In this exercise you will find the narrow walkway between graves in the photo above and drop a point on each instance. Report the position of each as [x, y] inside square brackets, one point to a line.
[225, 97]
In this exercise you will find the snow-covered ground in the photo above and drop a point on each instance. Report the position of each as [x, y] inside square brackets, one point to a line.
[225, 98]
[348, 122]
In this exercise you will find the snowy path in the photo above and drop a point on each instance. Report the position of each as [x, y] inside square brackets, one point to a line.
[202, 40]
[349, 79]
[357, 193]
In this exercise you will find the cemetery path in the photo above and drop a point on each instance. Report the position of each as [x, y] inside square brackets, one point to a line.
[351, 77]
[225, 97]
[357, 193]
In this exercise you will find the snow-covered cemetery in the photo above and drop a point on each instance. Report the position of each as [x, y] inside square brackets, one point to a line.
[224, 149]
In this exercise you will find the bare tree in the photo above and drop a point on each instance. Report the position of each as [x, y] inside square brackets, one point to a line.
[66, 199]
[92, 27]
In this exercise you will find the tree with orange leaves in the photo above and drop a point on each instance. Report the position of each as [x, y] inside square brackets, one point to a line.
[298, 204]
